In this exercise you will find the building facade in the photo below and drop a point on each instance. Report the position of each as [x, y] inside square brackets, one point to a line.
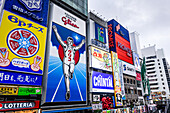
[156, 72]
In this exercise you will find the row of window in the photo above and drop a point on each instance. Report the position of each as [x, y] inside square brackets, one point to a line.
[127, 80]
[130, 91]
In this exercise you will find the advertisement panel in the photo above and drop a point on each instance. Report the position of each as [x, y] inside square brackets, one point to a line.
[106, 101]
[18, 105]
[115, 27]
[66, 80]
[123, 49]
[28, 91]
[138, 76]
[102, 82]
[119, 41]
[101, 59]
[22, 47]
[20, 78]
[98, 36]
[128, 69]
[8, 90]
[116, 78]
[136, 62]
[122, 80]
[34, 10]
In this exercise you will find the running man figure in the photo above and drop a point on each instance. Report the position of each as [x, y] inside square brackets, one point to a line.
[68, 60]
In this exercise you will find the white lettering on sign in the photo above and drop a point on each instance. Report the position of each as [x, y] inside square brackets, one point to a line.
[124, 48]
[105, 82]
[18, 105]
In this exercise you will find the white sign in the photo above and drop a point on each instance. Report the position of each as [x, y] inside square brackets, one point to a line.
[96, 98]
[68, 20]
[128, 69]
[96, 106]
[101, 59]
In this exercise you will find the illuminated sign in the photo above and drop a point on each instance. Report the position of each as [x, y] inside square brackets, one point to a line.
[28, 91]
[8, 90]
[22, 47]
[111, 38]
[101, 59]
[100, 33]
[123, 49]
[68, 20]
[136, 62]
[116, 78]
[128, 69]
[102, 82]
[67, 60]
[138, 76]
[34, 10]
[20, 78]
[18, 105]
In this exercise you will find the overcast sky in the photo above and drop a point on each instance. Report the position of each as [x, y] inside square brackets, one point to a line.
[150, 18]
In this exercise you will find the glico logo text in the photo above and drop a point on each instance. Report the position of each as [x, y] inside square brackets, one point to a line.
[124, 48]
[68, 19]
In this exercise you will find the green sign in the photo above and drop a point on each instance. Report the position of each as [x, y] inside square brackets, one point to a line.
[28, 91]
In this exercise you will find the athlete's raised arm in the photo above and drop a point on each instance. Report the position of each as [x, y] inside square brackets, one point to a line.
[58, 36]
[80, 45]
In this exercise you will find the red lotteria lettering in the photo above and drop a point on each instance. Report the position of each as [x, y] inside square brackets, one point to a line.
[68, 21]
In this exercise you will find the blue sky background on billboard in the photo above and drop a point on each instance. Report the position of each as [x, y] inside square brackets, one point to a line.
[149, 18]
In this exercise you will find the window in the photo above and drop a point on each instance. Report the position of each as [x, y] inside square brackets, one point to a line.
[135, 91]
[130, 81]
[160, 71]
[127, 80]
[134, 81]
[163, 87]
[162, 79]
[162, 83]
[128, 90]
[125, 90]
[161, 75]
[124, 80]
[158, 60]
[158, 63]
[159, 67]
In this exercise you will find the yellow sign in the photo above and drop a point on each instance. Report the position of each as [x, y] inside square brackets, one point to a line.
[22, 44]
[8, 91]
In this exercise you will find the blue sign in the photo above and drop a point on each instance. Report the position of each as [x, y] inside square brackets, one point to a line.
[102, 81]
[20, 78]
[34, 10]
[115, 27]
[66, 76]
[100, 33]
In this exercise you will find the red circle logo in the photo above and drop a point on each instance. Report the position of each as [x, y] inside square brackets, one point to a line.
[61, 53]
[1, 106]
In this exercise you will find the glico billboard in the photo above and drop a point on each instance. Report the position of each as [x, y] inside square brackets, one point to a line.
[66, 80]
[119, 41]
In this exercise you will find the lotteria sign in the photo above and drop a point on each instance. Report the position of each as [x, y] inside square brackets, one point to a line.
[18, 105]
[119, 41]
[102, 82]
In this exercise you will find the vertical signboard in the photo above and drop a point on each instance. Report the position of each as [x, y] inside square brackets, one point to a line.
[98, 36]
[34, 10]
[117, 83]
[121, 79]
[22, 47]
[119, 41]
[66, 80]
[101, 59]
[102, 82]
[136, 62]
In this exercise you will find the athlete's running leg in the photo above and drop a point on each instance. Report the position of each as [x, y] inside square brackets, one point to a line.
[72, 66]
[67, 80]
